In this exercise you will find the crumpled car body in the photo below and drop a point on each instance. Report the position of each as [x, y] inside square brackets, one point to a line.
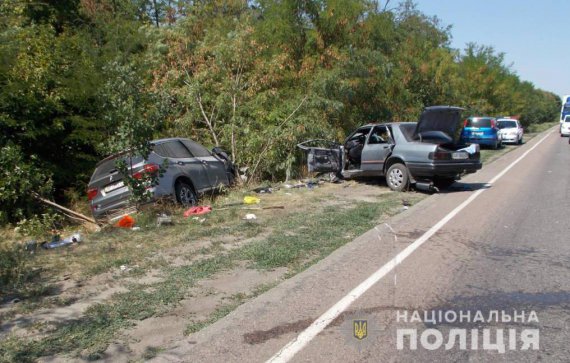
[428, 152]
[189, 170]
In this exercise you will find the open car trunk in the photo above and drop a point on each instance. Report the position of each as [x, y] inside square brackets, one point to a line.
[440, 125]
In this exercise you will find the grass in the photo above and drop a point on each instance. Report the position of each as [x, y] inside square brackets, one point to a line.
[151, 352]
[538, 128]
[297, 241]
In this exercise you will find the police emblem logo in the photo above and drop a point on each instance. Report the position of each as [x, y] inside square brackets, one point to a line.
[360, 329]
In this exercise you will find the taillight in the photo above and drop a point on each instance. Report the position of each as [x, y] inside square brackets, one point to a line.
[465, 123]
[440, 155]
[147, 169]
[91, 193]
[492, 123]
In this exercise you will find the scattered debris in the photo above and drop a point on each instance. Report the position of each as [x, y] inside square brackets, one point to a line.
[31, 246]
[248, 199]
[126, 222]
[312, 184]
[200, 220]
[57, 242]
[163, 219]
[294, 186]
[66, 211]
[136, 228]
[198, 210]
[250, 216]
[262, 190]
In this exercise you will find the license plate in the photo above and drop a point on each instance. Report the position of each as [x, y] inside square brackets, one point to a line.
[477, 133]
[460, 156]
[110, 188]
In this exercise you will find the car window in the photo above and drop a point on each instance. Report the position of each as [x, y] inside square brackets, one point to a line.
[172, 149]
[379, 135]
[161, 150]
[196, 149]
[506, 124]
[567, 119]
[478, 122]
[360, 134]
[408, 131]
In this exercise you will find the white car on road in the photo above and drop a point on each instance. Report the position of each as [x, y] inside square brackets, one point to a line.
[565, 127]
[510, 130]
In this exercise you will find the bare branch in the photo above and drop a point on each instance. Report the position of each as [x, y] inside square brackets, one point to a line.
[207, 120]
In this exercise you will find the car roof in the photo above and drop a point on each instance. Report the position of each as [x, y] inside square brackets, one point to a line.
[162, 141]
[153, 142]
[388, 124]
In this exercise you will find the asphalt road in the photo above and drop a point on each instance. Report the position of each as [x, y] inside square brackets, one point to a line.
[507, 249]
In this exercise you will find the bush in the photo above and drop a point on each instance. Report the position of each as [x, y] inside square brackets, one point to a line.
[13, 267]
[20, 180]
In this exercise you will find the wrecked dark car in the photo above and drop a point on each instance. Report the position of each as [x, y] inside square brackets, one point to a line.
[190, 170]
[429, 154]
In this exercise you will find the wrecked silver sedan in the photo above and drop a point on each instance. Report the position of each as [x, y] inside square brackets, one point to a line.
[429, 154]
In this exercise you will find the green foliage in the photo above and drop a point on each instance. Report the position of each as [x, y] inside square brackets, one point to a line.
[134, 116]
[253, 77]
[13, 267]
[20, 180]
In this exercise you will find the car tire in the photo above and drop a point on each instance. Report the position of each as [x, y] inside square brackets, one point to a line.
[398, 177]
[185, 194]
[521, 140]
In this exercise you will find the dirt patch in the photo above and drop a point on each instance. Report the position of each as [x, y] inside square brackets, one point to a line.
[22, 324]
[206, 296]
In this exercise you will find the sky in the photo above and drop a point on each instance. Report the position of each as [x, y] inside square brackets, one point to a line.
[534, 35]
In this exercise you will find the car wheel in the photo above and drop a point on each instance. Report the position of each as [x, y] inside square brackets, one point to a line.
[443, 183]
[185, 194]
[521, 140]
[397, 177]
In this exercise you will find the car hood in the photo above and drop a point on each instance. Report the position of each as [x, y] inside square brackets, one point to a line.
[446, 119]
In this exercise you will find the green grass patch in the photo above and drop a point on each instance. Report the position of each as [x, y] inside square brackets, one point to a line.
[538, 128]
[296, 241]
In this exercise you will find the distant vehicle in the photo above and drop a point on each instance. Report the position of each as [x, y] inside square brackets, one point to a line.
[482, 131]
[191, 170]
[565, 127]
[429, 153]
[510, 130]
[565, 110]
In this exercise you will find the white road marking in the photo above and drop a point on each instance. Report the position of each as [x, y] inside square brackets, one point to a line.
[295, 345]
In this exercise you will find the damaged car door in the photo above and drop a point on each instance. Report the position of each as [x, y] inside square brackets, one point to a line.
[377, 149]
[215, 169]
[323, 156]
